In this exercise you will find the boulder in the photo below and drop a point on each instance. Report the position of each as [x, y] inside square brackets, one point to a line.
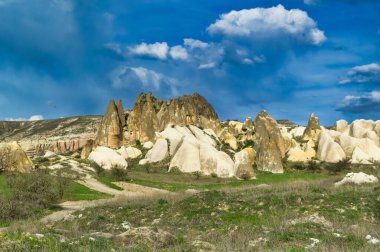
[244, 161]
[215, 162]
[270, 146]
[49, 154]
[229, 138]
[313, 130]
[148, 145]
[357, 179]
[129, 152]
[107, 158]
[187, 157]
[366, 145]
[13, 158]
[302, 153]
[359, 128]
[159, 151]
[110, 132]
[360, 157]
[174, 137]
[328, 150]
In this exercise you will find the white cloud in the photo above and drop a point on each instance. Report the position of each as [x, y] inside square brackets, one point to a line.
[32, 118]
[194, 43]
[268, 23]
[361, 103]
[125, 76]
[178, 53]
[156, 50]
[363, 74]
[310, 2]
[207, 65]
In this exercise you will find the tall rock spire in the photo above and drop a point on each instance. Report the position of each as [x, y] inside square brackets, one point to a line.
[110, 132]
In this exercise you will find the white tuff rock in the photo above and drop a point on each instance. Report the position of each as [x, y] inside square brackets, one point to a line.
[357, 179]
[106, 158]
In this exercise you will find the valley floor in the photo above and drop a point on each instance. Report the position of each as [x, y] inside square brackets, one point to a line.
[156, 211]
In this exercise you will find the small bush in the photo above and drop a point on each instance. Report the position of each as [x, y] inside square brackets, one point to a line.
[197, 175]
[313, 166]
[214, 175]
[98, 169]
[245, 176]
[175, 170]
[342, 165]
[118, 172]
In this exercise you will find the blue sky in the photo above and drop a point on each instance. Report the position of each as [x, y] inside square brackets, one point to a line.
[63, 58]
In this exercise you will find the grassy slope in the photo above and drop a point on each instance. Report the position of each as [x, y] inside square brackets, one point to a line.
[78, 191]
[175, 182]
[232, 220]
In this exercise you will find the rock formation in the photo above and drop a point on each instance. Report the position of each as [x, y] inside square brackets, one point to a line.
[129, 152]
[191, 149]
[328, 150]
[13, 158]
[120, 111]
[357, 179]
[110, 132]
[151, 115]
[87, 148]
[244, 161]
[313, 130]
[270, 146]
[107, 158]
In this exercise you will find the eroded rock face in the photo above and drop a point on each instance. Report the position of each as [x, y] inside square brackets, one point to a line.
[120, 111]
[13, 158]
[328, 150]
[244, 161]
[110, 132]
[151, 115]
[57, 135]
[357, 179]
[87, 149]
[270, 146]
[313, 130]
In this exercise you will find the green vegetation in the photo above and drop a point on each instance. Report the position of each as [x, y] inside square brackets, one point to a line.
[78, 191]
[285, 216]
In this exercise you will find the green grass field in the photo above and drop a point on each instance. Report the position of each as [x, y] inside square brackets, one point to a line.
[78, 191]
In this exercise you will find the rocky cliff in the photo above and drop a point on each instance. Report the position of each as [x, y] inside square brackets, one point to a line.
[58, 135]
[150, 115]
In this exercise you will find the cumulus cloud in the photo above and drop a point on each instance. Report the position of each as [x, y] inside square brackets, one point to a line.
[178, 53]
[207, 65]
[32, 118]
[268, 23]
[194, 43]
[365, 103]
[156, 50]
[127, 77]
[363, 74]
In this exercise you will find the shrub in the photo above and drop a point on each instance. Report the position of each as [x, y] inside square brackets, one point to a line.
[98, 169]
[197, 175]
[313, 166]
[118, 171]
[245, 176]
[175, 170]
[342, 165]
[214, 175]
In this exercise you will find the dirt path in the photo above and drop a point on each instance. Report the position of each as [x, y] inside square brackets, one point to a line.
[129, 192]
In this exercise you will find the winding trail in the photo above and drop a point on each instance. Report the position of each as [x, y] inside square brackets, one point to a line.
[129, 192]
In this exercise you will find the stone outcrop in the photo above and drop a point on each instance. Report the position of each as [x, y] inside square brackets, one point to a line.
[270, 146]
[107, 158]
[244, 161]
[357, 179]
[110, 132]
[129, 152]
[87, 148]
[191, 149]
[313, 130]
[13, 158]
[328, 150]
[302, 152]
[150, 115]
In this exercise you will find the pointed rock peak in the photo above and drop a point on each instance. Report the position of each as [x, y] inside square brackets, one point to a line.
[120, 110]
[110, 132]
[313, 129]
